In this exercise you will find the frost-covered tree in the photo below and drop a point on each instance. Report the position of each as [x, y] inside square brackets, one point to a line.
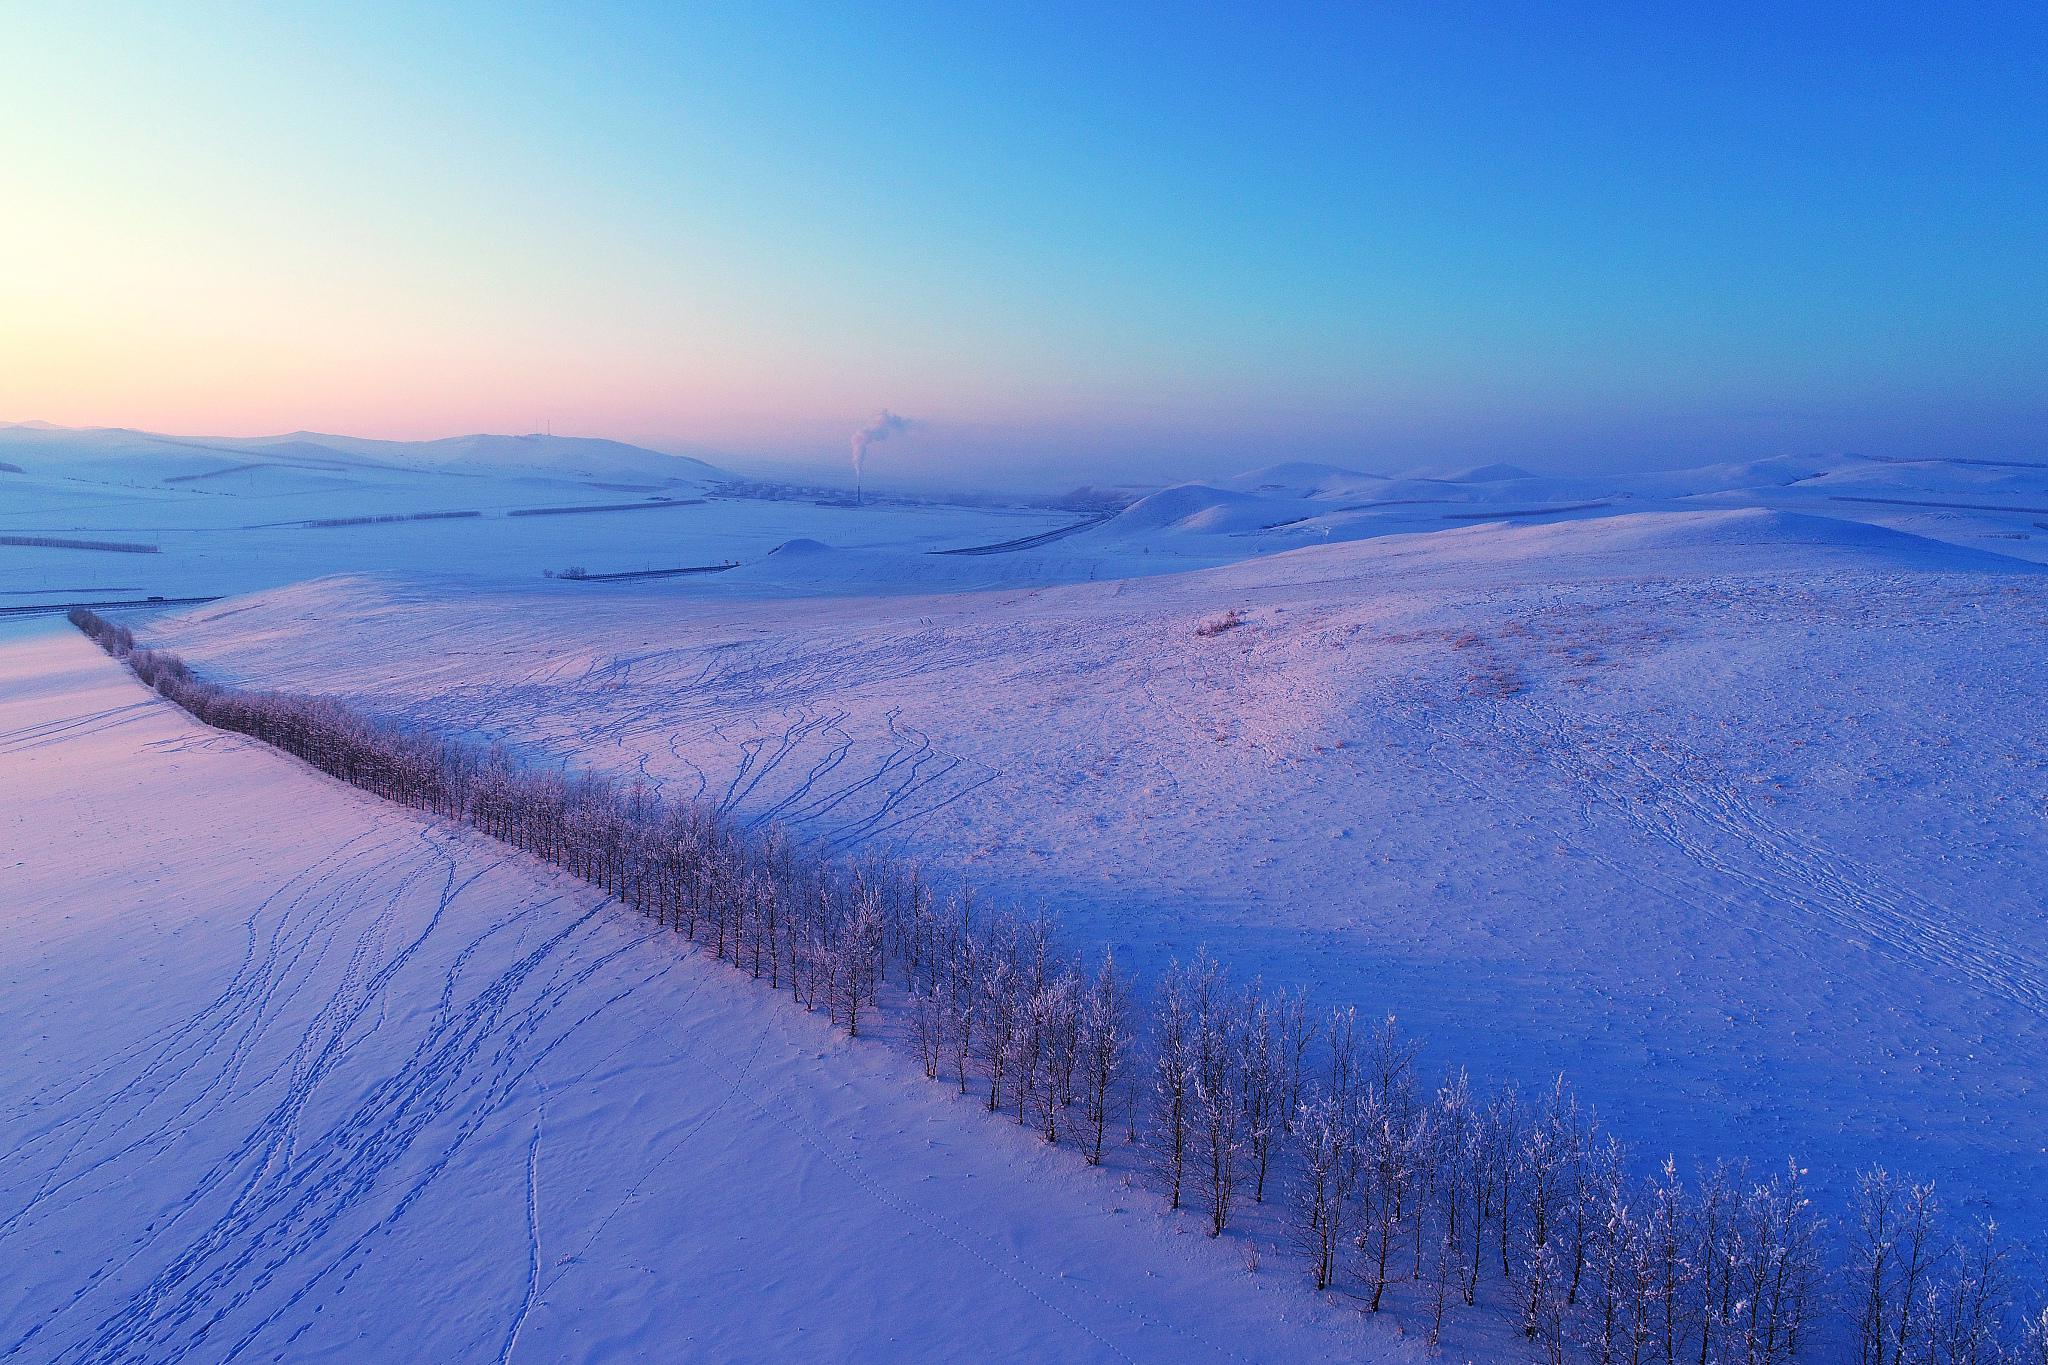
[1387, 1169]
[1547, 1167]
[928, 1029]
[1775, 1250]
[1049, 1033]
[996, 1008]
[1105, 1042]
[1673, 1275]
[1340, 1033]
[1262, 1076]
[1619, 1278]
[1544, 1319]
[1173, 1077]
[1325, 1134]
[1892, 1223]
[1500, 1136]
[2033, 1342]
[1296, 1031]
[1964, 1320]
[1219, 1125]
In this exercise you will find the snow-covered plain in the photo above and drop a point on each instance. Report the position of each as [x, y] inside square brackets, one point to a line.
[1721, 790]
[226, 517]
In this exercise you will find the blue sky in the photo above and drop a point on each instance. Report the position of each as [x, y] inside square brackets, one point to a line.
[1139, 240]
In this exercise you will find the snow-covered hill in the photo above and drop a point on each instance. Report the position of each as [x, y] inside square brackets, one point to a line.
[1716, 788]
[1732, 814]
[2000, 507]
[140, 456]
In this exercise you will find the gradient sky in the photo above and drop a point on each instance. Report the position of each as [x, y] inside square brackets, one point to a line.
[1080, 241]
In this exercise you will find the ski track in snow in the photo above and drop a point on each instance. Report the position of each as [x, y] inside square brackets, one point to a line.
[1681, 799]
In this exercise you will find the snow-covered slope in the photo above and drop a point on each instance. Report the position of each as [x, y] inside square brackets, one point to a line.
[289, 1073]
[1717, 788]
[1734, 815]
[1200, 509]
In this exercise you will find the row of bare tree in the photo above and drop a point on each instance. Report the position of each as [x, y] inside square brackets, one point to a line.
[1401, 1193]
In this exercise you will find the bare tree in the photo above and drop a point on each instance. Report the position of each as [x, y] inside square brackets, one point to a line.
[1893, 1253]
[1776, 1267]
[1966, 1309]
[1387, 1150]
[1105, 1045]
[1173, 1068]
[1326, 1144]
[1050, 1025]
[1674, 1274]
[1217, 1091]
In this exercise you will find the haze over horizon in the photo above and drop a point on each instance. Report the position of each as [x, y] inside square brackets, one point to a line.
[1073, 245]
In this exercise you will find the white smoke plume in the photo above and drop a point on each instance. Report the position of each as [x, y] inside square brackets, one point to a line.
[884, 425]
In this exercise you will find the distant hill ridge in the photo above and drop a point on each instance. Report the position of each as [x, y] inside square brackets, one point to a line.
[31, 443]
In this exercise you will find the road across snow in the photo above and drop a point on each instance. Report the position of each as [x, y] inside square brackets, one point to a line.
[286, 1072]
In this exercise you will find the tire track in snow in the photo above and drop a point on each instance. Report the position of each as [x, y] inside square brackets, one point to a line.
[1683, 799]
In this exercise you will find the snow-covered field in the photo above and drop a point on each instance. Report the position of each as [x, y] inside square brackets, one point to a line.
[225, 518]
[289, 1073]
[1735, 816]
[1722, 790]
